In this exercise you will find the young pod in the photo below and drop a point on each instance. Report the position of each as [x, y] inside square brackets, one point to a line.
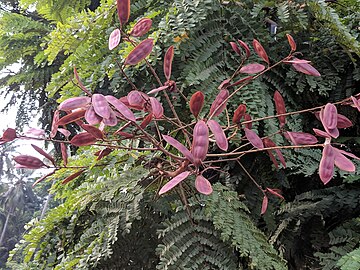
[196, 103]
[147, 120]
[97, 133]
[156, 108]
[74, 103]
[219, 103]
[343, 121]
[247, 118]
[307, 69]
[253, 138]
[326, 167]
[101, 105]
[140, 52]
[29, 162]
[280, 107]
[112, 120]
[356, 103]
[239, 113]
[54, 125]
[342, 162]
[200, 143]
[219, 134]
[235, 47]
[82, 139]
[300, 138]
[114, 39]
[121, 108]
[123, 10]
[141, 27]
[179, 146]
[64, 153]
[72, 117]
[260, 51]
[292, 42]
[91, 117]
[328, 119]
[44, 154]
[252, 68]
[174, 182]
[168, 59]
[203, 185]
[9, 135]
[72, 177]
[245, 47]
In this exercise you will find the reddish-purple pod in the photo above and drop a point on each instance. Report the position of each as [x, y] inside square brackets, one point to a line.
[326, 167]
[54, 125]
[280, 107]
[74, 103]
[342, 162]
[82, 139]
[157, 90]
[260, 51]
[29, 162]
[245, 47]
[114, 39]
[91, 117]
[81, 85]
[219, 103]
[156, 108]
[123, 10]
[42, 178]
[112, 120]
[235, 47]
[174, 182]
[196, 103]
[239, 113]
[300, 138]
[252, 68]
[72, 177]
[141, 27]
[264, 205]
[179, 146]
[147, 120]
[9, 135]
[219, 135]
[101, 105]
[124, 134]
[247, 118]
[225, 84]
[200, 143]
[329, 116]
[321, 133]
[270, 143]
[241, 81]
[103, 153]
[64, 153]
[275, 192]
[343, 121]
[168, 59]
[44, 154]
[97, 133]
[292, 42]
[307, 69]
[253, 138]
[135, 98]
[356, 103]
[121, 108]
[72, 117]
[203, 185]
[140, 52]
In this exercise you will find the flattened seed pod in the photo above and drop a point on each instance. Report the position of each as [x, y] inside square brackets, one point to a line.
[44, 154]
[343, 121]
[141, 27]
[196, 103]
[252, 68]
[123, 10]
[101, 105]
[72, 117]
[175, 143]
[140, 52]
[280, 107]
[121, 108]
[74, 103]
[174, 182]
[168, 59]
[200, 144]
[156, 108]
[239, 113]
[343, 163]
[216, 107]
[29, 162]
[82, 139]
[91, 117]
[203, 185]
[245, 47]
[9, 135]
[253, 138]
[300, 138]
[97, 133]
[219, 135]
[260, 51]
[235, 47]
[72, 177]
[329, 116]
[114, 39]
[326, 167]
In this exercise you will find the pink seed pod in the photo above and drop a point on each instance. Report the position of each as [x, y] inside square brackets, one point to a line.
[200, 144]
[74, 103]
[196, 103]
[64, 132]
[179, 146]
[321, 133]
[260, 51]
[203, 185]
[72, 177]
[343, 121]
[64, 153]
[29, 162]
[72, 117]
[82, 139]
[112, 120]
[300, 138]
[81, 85]
[103, 153]
[44, 154]
[330, 119]
[140, 52]
[97, 133]
[326, 167]
[297, 61]
[135, 98]
[307, 69]
[101, 105]
[280, 107]
[252, 68]
[91, 117]
[147, 120]
[247, 117]
[253, 138]
[114, 39]
[239, 113]
[124, 134]
[141, 27]
[235, 47]
[270, 143]
[245, 47]
[174, 182]
[292, 42]
[216, 107]
[168, 59]
[275, 192]
[342, 162]
[121, 108]
[123, 10]
[9, 135]
[156, 108]
[241, 81]
[43, 178]
[219, 135]
[159, 89]
[264, 205]
[356, 103]
[54, 125]
[225, 84]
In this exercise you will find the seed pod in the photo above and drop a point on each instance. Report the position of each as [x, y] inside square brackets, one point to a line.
[168, 59]
[112, 120]
[306, 69]
[156, 90]
[179, 146]
[43, 153]
[219, 135]
[123, 10]
[264, 204]
[147, 120]
[91, 117]
[114, 39]
[239, 113]
[321, 133]
[174, 182]
[292, 42]
[326, 167]
[275, 192]
[74, 103]
[43, 178]
[225, 84]
[252, 68]
[247, 118]
[245, 47]
[29, 162]
[156, 108]
[347, 154]
[140, 52]
[343, 121]
[72, 117]
[64, 153]
[330, 116]
[235, 47]
[64, 132]
[356, 103]
[72, 177]
[83, 139]
[121, 108]
[54, 125]
[216, 107]
[300, 138]
[280, 107]
[80, 83]
[297, 61]
[103, 153]
[9, 135]
[97, 133]
[241, 81]
[141, 27]
[270, 143]
[124, 134]
[343, 163]
[196, 103]
[259, 49]
[253, 138]
[135, 98]
[101, 105]
[203, 185]
[200, 142]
